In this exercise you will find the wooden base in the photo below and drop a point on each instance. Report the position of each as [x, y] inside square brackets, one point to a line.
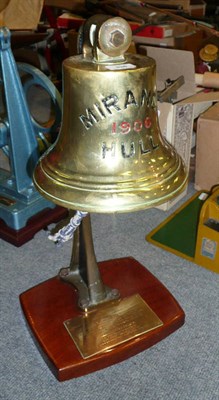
[47, 305]
[34, 225]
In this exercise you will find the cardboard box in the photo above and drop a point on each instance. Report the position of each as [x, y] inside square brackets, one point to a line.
[177, 119]
[70, 21]
[160, 31]
[207, 149]
[20, 14]
[190, 41]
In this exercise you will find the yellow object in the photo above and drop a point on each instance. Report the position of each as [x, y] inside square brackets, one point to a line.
[209, 52]
[192, 231]
[207, 243]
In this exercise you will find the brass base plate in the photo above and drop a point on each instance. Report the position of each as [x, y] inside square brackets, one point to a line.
[111, 324]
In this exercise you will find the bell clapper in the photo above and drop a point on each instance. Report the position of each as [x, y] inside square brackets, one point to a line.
[83, 272]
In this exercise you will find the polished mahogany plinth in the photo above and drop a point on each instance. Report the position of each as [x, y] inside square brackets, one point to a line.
[48, 305]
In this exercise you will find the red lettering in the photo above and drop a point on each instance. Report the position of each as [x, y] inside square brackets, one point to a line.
[138, 126]
[125, 127]
[147, 122]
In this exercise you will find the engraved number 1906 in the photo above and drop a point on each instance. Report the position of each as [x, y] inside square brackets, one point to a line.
[125, 127]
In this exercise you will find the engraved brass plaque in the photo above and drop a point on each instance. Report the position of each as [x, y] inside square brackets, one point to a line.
[111, 324]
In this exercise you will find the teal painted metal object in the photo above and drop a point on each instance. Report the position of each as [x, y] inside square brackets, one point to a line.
[19, 200]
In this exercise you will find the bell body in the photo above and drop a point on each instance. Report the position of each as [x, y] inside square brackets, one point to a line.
[110, 155]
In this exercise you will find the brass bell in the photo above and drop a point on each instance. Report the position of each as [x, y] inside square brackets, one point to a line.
[110, 155]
